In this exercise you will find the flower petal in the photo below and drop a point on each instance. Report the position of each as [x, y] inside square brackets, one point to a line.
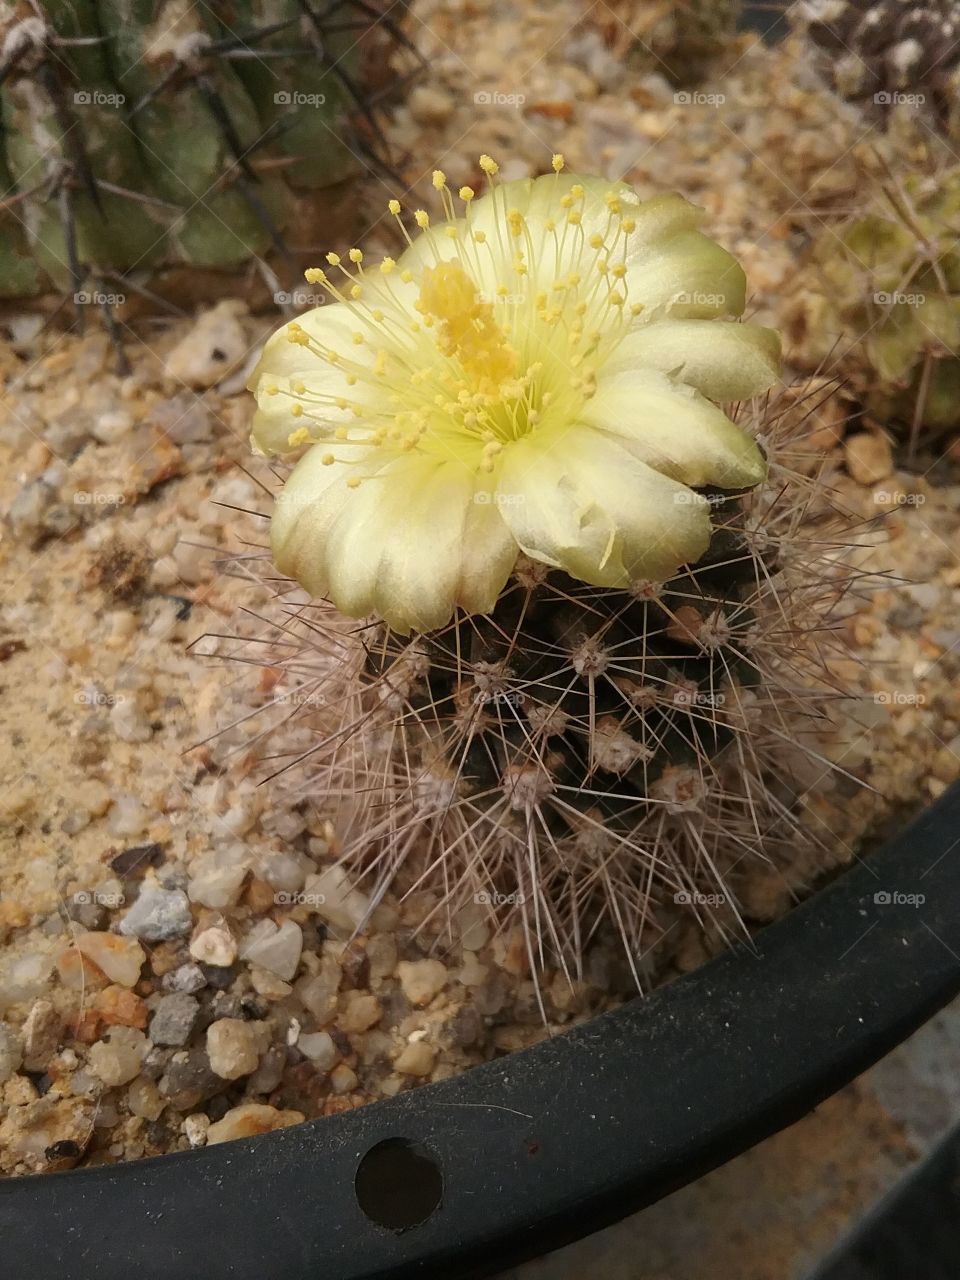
[725, 361]
[409, 544]
[685, 276]
[330, 326]
[673, 429]
[275, 423]
[582, 501]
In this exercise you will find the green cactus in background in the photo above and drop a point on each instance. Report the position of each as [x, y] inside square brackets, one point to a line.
[139, 134]
[880, 300]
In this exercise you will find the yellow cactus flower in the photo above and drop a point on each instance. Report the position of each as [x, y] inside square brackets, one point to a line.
[536, 373]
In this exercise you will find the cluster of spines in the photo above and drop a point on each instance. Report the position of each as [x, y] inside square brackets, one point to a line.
[504, 775]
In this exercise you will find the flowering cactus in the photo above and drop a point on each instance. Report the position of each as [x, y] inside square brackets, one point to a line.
[584, 610]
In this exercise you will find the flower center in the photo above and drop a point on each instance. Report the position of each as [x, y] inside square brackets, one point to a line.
[467, 329]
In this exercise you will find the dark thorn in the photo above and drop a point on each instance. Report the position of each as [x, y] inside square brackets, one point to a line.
[65, 199]
[71, 135]
[113, 329]
[218, 109]
[157, 89]
[144, 292]
[265, 220]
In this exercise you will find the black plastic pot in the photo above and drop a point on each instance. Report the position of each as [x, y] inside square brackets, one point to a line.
[524, 1154]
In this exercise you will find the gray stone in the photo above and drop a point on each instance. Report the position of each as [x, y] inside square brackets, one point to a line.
[174, 1019]
[158, 914]
[188, 978]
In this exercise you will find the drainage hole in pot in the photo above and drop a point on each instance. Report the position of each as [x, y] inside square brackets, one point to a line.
[398, 1184]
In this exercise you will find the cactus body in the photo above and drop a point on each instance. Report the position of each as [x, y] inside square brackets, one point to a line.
[186, 135]
[582, 760]
[880, 297]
